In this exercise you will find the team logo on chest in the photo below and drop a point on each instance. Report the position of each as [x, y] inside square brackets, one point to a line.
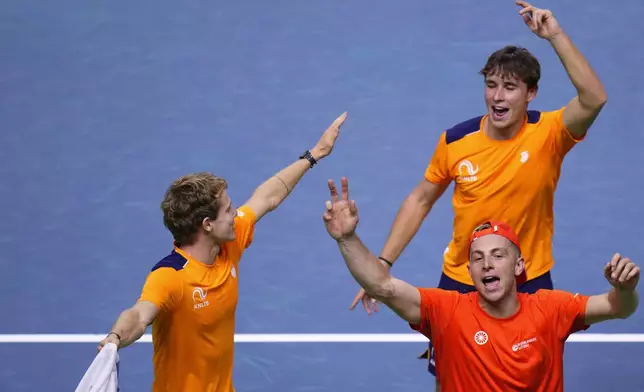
[199, 298]
[480, 338]
[467, 171]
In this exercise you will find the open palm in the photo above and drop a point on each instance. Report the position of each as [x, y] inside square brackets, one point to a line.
[341, 215]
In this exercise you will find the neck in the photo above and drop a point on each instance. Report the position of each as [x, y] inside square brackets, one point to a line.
[503, 133]
[202, 251]
[504, 308]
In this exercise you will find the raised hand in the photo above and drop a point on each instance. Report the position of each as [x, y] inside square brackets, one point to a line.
[324, 146]
[341, 215]
[540, 21]
[622, 273]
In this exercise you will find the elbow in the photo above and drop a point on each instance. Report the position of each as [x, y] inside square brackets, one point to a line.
[595, 101]
[382, 291]
[601, 99]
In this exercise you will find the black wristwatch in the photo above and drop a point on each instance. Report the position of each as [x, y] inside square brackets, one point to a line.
[307, 155]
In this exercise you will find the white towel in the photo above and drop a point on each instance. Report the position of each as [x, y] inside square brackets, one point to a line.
[102, 374]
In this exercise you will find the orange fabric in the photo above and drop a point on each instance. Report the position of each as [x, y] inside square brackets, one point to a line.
[513, 181]
[193, 333]
[476, 352]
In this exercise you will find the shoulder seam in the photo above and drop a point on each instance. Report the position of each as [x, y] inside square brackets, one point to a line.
[459, 131]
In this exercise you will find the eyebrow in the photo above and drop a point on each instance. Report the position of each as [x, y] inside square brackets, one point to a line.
[504, 250]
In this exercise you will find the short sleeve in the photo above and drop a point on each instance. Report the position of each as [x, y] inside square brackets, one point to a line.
[562, 140]
[567, 310]
[244, 226]
[163, 288]
[437, 308]
[437, 171]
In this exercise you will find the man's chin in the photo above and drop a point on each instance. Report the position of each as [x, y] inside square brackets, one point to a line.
[491, 296]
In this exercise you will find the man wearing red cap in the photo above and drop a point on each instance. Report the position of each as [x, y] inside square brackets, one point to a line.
[498, 339]
[505, 163]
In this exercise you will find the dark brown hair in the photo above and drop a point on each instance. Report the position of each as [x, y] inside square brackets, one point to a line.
[188, 201]
[514, 61]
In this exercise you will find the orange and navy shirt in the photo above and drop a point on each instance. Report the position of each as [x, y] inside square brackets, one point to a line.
[511, 180]
[193, 333]
[477, 352]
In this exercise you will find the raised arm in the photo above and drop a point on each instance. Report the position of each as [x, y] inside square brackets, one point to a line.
[581, 111]
[274, 191]
[341, 219]
[622, 300]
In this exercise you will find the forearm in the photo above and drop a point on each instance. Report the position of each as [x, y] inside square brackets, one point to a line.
[365, 268]
[281, 184]
[405, 226]
[129, 327]
[589, 88]
[624, 302]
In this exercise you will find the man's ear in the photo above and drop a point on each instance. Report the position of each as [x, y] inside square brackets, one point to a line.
[206, 224]
[520, 266]
[532, 93]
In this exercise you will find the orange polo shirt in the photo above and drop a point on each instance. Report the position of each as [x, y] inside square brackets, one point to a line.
[193, 334]
[477, 352]
[512, 180]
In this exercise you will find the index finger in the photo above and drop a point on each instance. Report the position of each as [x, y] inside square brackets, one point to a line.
[337, 123]
[334, 191]
[523, 3]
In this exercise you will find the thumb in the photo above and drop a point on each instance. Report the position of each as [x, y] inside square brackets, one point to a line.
[607, 270]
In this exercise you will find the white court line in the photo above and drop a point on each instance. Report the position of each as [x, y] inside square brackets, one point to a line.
[308, 338]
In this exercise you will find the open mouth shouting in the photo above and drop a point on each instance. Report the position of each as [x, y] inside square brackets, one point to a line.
[491, 282]
[499, 113]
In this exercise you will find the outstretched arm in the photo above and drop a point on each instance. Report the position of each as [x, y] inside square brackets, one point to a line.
[131, 325]
[341, 219]
[399, 296]
[581, 111]
[622, 300]
[274, 191]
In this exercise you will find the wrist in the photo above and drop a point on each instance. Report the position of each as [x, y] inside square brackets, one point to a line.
[311, 157]
[556, 37]
[316, 153]
[347, 238]
[386, 262]
[118, 337]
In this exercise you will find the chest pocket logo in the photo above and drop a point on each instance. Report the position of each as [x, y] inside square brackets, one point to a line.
[470, 171]
[199, 298]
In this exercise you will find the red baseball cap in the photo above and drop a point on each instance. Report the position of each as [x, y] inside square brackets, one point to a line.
[502, 229]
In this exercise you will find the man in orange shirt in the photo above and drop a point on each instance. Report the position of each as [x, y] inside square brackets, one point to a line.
[504, 164]
[190, 296]
[492, 339]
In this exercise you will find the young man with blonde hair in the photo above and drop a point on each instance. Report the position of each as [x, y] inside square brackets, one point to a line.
[190, 296]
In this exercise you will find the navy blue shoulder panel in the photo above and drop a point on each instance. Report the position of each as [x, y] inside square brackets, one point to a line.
[459, 131]
[173, 260]
[533, 116]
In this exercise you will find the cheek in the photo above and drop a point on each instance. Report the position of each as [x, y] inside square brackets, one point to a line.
[517, 100]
